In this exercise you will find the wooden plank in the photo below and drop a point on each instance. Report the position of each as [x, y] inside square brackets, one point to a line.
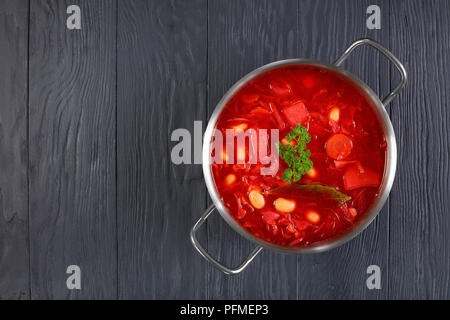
[14, 260]
[341, 273]
[420, 203]
[242, 36]
[161, 87]
[72, 149]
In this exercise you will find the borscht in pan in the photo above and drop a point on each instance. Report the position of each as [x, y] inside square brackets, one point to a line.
[330, 155]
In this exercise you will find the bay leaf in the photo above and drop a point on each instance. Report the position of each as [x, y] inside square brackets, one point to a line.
[319, 192]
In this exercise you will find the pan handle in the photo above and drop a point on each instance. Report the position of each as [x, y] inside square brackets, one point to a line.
[206, 255]
[387, 54]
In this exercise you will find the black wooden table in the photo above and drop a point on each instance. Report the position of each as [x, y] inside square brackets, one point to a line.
[85, 123]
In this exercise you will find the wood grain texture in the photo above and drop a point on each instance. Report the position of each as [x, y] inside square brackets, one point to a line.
[72, 149]
[95, 164]
[420, 203]
[244, 35]
[341, 272]
[161, 87]
[14, 259]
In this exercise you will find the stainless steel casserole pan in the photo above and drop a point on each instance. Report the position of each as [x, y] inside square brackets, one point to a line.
[388, 176]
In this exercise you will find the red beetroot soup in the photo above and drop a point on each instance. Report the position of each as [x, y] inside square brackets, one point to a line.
[347, 149]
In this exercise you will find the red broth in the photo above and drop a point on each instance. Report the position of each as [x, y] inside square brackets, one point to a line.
[335, 113]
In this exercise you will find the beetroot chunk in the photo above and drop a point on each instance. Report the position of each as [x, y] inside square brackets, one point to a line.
[354, 178]
[296, 113]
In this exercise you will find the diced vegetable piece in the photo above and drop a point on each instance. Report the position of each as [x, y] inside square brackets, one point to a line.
[354, 178]
[296, 113]
[240, 127]
[284, 205]
[313, 216]
[338, 146]
[353, 212]
[312, 173]
[334, 114]
[343, 163]
[230, 179]
[256, 199]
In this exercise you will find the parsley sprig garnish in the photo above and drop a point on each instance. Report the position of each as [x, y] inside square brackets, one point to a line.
[296, 157]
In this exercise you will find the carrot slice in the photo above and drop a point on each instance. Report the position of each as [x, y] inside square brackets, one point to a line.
[354, 178]
[338, 146]
[296, 113]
